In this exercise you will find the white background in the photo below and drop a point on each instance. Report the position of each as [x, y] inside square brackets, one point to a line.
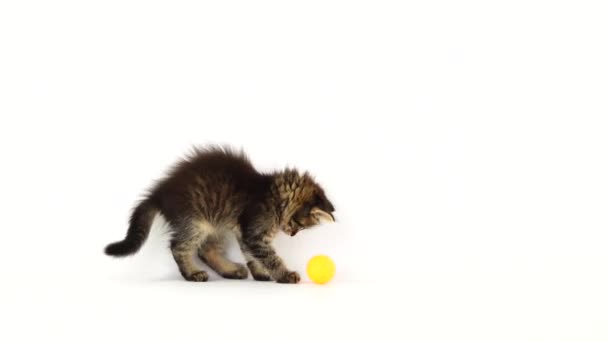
[464, 145]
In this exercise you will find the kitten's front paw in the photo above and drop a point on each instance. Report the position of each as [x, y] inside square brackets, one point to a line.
[289, 278]
[261, 277]
[258, 272]
[200, 276]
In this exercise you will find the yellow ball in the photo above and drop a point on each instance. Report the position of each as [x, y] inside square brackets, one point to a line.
[321, 269]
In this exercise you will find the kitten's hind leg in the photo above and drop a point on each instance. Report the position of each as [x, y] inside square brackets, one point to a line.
[184, 247]
[183, 253]
[212, 253]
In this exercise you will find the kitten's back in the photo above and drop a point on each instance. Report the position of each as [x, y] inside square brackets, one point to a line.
[213, 164]
[214, 182]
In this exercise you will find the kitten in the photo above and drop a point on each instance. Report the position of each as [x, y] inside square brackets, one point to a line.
[216, 191]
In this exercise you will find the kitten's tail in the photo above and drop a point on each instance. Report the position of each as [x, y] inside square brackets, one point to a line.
[139, 228]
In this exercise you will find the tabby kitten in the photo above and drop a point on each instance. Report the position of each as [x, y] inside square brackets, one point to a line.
[215, 192]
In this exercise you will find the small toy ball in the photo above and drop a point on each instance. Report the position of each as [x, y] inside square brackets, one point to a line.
[321, 269]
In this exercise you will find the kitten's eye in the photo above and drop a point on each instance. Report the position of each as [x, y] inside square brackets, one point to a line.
[304, 211]
[307, 209]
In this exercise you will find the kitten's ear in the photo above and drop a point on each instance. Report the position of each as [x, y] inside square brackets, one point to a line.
[324, 203]
[322, 215]
[330, 206]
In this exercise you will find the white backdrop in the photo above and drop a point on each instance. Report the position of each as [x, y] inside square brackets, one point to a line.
[463, 143]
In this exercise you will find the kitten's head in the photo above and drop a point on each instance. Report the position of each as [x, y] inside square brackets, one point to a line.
[310, 213]
[307, 203]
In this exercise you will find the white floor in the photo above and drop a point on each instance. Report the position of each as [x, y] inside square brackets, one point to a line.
[463, 144]
[418, 307]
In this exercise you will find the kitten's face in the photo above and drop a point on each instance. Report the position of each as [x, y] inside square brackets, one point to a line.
[310, 213]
